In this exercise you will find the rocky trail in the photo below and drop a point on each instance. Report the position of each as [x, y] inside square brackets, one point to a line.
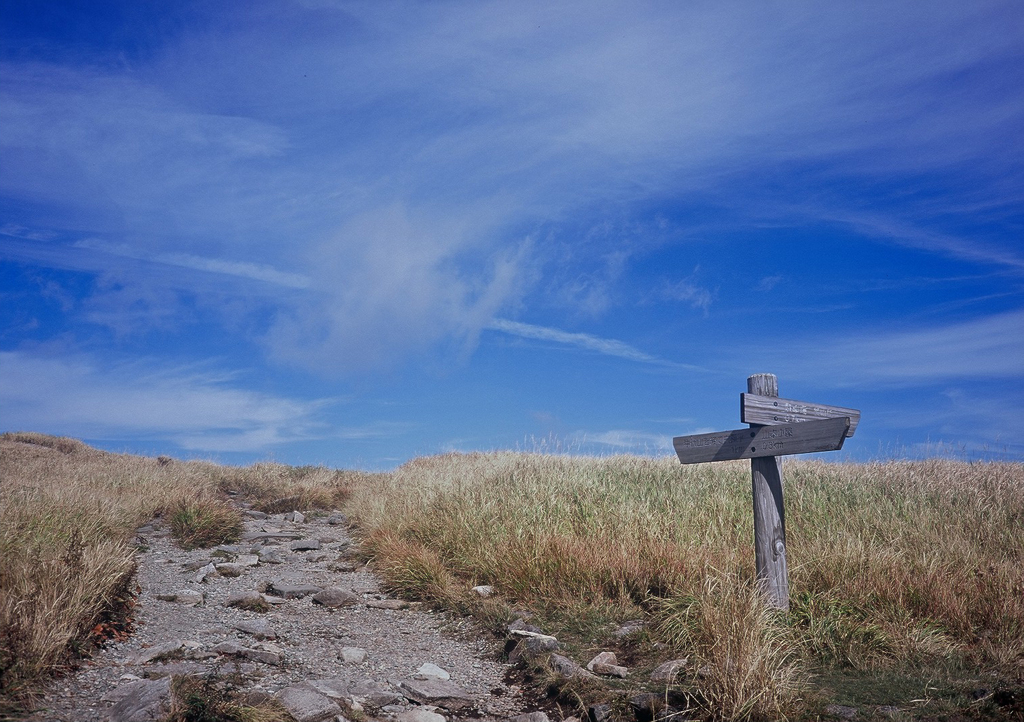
[329, 646]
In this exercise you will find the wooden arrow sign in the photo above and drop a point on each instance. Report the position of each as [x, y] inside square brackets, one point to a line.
[776, 440]
[755, 409]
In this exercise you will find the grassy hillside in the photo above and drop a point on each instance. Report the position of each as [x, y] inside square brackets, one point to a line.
[905, 576]
[908, 570]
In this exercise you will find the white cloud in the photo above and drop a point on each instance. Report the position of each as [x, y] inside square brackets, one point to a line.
[242, 269]
[79, 396]
[622, 440]
[392, 163]
[990, 347]
[605, 346]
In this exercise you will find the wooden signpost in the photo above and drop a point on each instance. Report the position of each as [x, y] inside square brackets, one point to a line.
[777, 427]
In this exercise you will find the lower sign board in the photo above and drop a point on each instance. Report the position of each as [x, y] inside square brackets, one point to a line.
[777, 440]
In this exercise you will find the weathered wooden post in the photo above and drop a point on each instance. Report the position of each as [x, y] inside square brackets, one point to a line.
[769, 510]
[777, 427]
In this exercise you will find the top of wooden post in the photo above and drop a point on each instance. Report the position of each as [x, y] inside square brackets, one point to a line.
[763, 384]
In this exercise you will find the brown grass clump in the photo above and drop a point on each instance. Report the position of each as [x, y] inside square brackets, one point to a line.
[276, 488]
[204, 522]
[213, 699]
[747, 664]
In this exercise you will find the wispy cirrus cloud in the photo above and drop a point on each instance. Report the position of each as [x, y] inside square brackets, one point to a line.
[990, 347]
[197, 409]
[585, 341]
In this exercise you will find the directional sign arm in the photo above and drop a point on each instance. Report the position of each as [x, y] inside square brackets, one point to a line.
[770, 410]
[777, 440]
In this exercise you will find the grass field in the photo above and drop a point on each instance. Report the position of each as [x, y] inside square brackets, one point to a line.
[905, 577]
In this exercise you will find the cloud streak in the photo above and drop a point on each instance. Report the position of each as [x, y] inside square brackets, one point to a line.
[585, 341]
[990, 347]
[199, 411]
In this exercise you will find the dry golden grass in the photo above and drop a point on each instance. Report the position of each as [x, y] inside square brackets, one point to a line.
[892, 564]
[68, 514]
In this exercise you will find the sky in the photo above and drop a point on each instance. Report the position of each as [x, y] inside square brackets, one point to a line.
[353, 233]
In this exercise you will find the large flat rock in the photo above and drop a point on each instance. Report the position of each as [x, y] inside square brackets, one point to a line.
[437, 692]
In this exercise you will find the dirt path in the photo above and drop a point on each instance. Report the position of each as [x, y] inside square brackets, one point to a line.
[346, 646]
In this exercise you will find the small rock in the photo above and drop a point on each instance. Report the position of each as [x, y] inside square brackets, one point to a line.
[530, 717]
[599, 712]
[143, 701]
[245, 599]
[247, 560]
[520, 625]
[531, 647]
[185, 596]
[305, 704]
[352, 655]
[337, 518]
[295, 517]
[258, 629]
[263, 655]
[841, 711]
[388, 604]
[602, 658]
[420, 715]
[610, 670]
[483, 591]
[253, 514]
[230, 648]
[285, 590]
[304, 545]
[666, 672]
[158, 651]
[335, 597]
[210, 570]
[565, 667]
[228, 569]
[429, 669]
[271, 555]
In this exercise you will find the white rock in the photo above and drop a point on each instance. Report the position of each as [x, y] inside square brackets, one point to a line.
[429, 669]
[420, 715]
[484, 590]
[207, 571]
[352, 655]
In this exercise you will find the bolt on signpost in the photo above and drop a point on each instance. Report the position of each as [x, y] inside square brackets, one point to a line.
[777, 427]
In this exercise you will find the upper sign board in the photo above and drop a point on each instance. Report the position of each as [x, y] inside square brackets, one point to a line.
[775, 440]
[771, 410]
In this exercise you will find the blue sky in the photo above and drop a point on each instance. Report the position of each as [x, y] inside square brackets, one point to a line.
[351, 233]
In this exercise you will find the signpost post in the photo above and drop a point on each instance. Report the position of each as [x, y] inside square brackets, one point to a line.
[777, 427]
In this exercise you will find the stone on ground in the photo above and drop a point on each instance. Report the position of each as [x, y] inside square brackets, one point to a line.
[429, 669]
[437, 692]
[306, 704]
[143, 701]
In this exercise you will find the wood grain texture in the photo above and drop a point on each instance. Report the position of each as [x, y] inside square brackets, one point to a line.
[765, 409]
[769, 509]
[761, 441]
